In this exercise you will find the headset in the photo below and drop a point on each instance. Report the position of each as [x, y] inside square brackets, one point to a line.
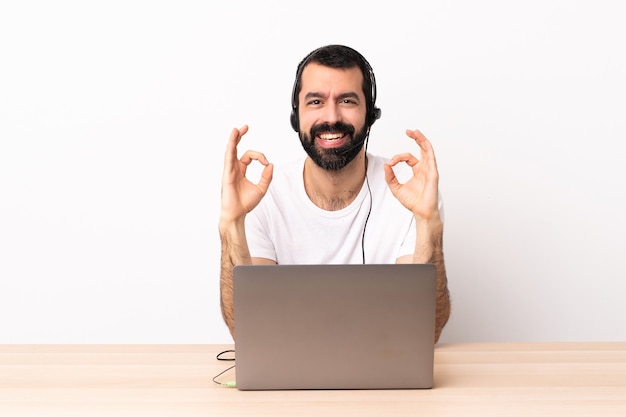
[373, 113]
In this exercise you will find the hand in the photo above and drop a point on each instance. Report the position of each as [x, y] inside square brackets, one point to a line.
[240, 195]
[420, 193]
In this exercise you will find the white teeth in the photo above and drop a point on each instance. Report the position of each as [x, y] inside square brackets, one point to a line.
[331, 136]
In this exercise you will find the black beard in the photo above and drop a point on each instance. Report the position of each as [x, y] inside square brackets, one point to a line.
[336, 158]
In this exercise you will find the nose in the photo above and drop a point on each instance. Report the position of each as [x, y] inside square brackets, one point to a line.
[331, 114]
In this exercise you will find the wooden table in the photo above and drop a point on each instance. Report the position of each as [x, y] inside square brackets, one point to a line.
[490, 379]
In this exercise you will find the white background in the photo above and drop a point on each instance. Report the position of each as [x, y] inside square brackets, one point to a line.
[114, 116]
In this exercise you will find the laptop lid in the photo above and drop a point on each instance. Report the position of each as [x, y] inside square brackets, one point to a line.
[334, 326]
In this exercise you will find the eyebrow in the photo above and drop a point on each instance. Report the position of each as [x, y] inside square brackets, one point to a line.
[314, 94]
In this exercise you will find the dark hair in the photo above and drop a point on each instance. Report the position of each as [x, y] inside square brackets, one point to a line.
[338, 56]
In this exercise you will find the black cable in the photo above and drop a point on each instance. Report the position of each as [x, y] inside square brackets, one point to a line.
[369, 191]
[219, 357]
[367, 181]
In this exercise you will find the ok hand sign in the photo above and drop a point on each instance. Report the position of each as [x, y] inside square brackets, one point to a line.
[240, 195]
[420, 193]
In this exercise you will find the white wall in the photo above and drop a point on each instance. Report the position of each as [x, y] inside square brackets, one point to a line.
[114, 115]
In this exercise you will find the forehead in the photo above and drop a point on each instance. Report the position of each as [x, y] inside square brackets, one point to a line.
[321, 79]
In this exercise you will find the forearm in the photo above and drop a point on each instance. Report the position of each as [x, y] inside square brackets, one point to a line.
[429, 249]
[234, 252]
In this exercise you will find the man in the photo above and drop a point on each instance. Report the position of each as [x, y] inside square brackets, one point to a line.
[339, 204]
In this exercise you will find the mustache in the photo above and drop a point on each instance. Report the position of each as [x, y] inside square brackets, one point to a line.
[338, 127]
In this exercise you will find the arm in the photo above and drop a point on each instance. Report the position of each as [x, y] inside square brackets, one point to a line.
[429, 249]
[420, 194]
[239, 197]
[234, 252]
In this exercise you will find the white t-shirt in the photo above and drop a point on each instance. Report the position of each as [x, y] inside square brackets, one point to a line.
[289, 229]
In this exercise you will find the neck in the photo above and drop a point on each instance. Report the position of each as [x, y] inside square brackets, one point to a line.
[334, 190]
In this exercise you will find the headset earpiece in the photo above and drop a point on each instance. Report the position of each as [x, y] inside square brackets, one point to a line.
[376, 113]
[295, 123]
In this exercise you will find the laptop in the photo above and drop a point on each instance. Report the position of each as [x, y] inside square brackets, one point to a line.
[334, 326]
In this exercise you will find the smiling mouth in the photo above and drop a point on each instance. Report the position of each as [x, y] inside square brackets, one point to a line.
[331, 136]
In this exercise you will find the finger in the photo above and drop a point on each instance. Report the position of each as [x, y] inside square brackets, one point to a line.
[250, 156]
[390, 178]
[230, 155]
[266, 178]
[427, 151]
[235, 137]
[416, 135]
[409, 158]
[233, 141]
[421, 140]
